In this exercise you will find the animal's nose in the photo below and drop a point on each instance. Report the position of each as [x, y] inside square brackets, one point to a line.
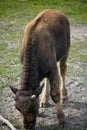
[26, 126]
[29, 126]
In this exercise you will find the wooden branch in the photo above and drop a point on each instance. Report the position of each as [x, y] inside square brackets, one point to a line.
[7, 123]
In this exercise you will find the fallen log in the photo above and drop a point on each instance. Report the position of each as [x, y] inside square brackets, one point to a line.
[7, 123]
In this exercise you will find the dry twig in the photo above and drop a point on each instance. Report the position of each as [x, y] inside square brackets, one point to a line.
[7, 123]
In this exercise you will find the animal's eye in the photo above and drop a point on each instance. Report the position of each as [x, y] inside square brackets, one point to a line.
[34, 109]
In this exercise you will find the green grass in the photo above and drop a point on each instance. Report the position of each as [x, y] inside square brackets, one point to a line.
[78, 52]
[14, 15]
[77, 62]
[18, 11]
[9, 66]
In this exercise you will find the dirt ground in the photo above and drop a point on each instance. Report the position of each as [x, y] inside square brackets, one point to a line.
[75, 108]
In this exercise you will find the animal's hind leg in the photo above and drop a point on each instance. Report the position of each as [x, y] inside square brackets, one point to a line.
[45, 94]
[54, 79]
[62, 72]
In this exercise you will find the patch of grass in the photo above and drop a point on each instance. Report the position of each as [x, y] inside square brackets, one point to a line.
[77, 63]
[9, 66]
[22, 11]
[78, 52]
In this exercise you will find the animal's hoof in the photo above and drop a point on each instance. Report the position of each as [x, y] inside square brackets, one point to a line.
[61, 118]
[43, 102]
[62, 124]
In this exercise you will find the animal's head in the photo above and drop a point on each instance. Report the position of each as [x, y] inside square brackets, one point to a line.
[27, 102]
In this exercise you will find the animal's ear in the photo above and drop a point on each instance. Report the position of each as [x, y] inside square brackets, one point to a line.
[39, 90]
[13, 89]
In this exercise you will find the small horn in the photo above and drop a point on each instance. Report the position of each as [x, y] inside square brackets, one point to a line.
[33, 97]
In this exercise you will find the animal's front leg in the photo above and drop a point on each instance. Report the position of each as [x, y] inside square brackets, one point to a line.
[45, 94]
[56, 97]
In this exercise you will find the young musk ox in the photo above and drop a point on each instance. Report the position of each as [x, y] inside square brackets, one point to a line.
[46, 40]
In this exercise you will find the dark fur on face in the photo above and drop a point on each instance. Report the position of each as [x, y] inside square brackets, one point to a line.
[27, 103]
[28, 108]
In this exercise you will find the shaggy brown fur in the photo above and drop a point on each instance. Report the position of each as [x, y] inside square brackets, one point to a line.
[46, 40]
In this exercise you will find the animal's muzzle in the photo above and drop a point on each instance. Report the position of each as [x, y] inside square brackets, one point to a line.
[30, 125]
[31, 129]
